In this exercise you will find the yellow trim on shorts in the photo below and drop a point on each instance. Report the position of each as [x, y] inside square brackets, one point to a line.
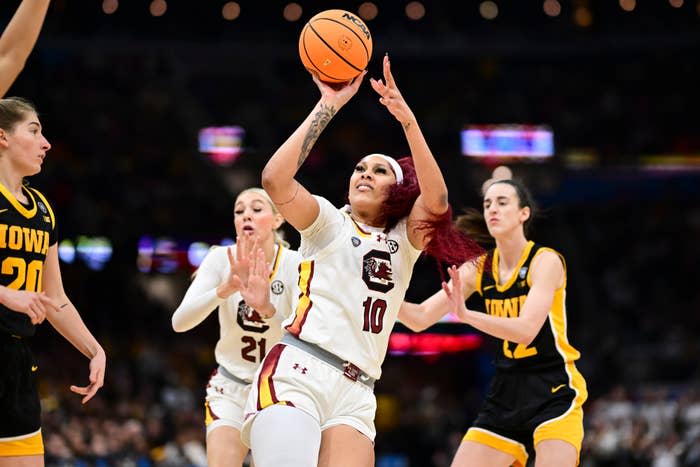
[25, 445]
[208, 415]
[568, 428]
[500, 443]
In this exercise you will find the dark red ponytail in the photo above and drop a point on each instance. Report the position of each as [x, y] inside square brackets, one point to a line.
[447, 245]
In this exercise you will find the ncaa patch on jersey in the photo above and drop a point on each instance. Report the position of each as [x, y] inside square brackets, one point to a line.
[523, 272]
[277, 287]
[355, 241]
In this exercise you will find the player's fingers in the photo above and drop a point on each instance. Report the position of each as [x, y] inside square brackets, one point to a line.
[92, 390]
[377, 85]
[38, 311]
[448, 290]
[314, 76]
[453, 272]
[261, 264]
[388, 77]
[79, 390]
[357, 81]
[48, 303]
[231, 259]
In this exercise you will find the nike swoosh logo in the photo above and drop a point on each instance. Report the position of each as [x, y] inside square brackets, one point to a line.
[488, 287]
[34, 368]
[555, 389]
[3, 210]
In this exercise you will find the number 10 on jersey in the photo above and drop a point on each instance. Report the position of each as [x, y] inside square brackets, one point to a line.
[374, 309]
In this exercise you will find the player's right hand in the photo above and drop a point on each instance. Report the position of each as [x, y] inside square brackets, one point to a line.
[338, 95]
[33, 304]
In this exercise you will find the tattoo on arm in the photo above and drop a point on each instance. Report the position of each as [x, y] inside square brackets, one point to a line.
[318, 124]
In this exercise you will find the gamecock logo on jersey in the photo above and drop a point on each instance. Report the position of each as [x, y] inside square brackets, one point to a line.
[249, 319]
[376, 271]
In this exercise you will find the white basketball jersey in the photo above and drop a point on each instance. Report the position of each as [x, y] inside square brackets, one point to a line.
[351, 287]
[245, 337]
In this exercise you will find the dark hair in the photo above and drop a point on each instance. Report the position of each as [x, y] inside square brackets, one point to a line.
[447, 244]
[13, 110]
[473, 224]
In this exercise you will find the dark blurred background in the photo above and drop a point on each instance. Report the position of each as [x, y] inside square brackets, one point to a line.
[125, 87]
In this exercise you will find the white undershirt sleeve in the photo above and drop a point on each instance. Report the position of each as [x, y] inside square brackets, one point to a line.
[201, 298]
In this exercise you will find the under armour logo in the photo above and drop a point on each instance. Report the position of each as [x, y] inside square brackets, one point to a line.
[300, 369]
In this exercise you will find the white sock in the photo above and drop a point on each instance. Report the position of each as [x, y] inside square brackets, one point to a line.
[283, 436]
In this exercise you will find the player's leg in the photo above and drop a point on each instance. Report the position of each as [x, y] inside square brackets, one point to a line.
[555, 453]
[224, 407]
[225, 448]
[285, 436]
[558, 441]
[22, 461]
[475, 454]
[344, 446]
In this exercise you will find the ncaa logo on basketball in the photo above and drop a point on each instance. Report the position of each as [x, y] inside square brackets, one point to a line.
[377, 272]
[277, 287]
[357, 23]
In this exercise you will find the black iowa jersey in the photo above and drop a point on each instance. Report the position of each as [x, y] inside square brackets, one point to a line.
[26, 232]
[551, 346]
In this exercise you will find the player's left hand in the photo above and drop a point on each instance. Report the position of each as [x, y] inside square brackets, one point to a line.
[98, 364]
[391, 98]
[453, 289]
[256, 292]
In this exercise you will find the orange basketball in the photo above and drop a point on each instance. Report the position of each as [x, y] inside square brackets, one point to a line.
[336, 44]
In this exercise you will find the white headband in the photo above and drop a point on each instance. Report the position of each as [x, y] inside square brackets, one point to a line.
[392, 162]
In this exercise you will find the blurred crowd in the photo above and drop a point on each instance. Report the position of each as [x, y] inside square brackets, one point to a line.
[123, 115]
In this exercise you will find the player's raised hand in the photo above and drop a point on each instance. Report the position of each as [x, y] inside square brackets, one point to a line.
[453, 289]
[256, 292]
[239, 265]
[390, 96]
[337, 95]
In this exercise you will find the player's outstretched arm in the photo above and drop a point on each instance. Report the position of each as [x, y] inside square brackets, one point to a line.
[547, 275]
[18, 40]
[294, 202]
[432, 201]
[418, 317]
[67, 321]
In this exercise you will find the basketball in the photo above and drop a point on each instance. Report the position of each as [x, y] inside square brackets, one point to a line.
[336, 44]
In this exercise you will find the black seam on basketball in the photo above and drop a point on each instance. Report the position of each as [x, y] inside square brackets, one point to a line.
[332, 49]
[316, 68]
[351, 30]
